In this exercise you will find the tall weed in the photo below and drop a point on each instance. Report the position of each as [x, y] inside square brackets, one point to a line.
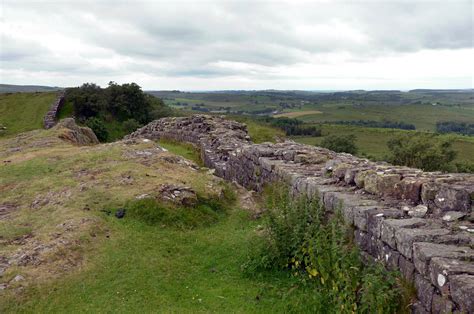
[300, 237]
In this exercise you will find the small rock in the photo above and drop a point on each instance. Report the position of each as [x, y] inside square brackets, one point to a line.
[120, 213]
[418, 211]
[453, 216]
[142, 196]
[18, 278]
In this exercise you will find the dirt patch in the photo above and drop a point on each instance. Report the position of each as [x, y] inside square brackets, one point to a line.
[6, 209]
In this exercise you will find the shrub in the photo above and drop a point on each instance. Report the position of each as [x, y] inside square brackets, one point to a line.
[130, 125]
[424, 151]
[314, 246]
[340, 143]
[99, 128]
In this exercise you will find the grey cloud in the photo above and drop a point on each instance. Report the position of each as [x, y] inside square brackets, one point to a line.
[189, 38]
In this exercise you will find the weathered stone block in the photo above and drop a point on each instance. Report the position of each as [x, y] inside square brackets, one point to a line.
[462, 292]
[441, 269]
[409, 189]
[361, 215]
[406, 268]
[441, 305]
[406, 237]
[423, 252]
[390, 226]
[382, 184]
[453, 198]
[374, 219]
[362, 240]
[424, 291]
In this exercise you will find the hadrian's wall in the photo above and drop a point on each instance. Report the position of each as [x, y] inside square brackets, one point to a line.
[50, 119]
[420, 223]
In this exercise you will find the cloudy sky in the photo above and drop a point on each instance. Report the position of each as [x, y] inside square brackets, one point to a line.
[210, 45]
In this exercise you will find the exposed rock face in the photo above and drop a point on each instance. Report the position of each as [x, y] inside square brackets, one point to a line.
[179, 195]
[71, 132]
[397, 211]
[50, 118]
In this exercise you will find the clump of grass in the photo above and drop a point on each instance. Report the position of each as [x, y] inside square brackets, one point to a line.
[313, 245]
[205, 212]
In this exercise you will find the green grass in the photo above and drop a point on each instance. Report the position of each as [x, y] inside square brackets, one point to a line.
[259, 132]
[21, 112]
[373, 141]
[66, 111]
[185, 150]
[150, 269]
[424, 117]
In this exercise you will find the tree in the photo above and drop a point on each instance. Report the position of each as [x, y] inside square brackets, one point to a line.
[340, 143]
[424, 151]
[99, 128]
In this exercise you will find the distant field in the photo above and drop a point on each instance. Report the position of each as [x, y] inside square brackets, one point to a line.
[373, 142]
[422, 108]
[20, 112]
[296, 114]
[424, 117]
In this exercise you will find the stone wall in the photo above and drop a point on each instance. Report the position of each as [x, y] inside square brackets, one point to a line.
[50, 118]
[420, 223]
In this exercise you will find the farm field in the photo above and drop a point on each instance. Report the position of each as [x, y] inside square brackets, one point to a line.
[373, 141]
[424, 117]
[297, 114]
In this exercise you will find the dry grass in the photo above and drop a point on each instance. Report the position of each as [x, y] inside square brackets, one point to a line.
[53, 193]
[296, 114]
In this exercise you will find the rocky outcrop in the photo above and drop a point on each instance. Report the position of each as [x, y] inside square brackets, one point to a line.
[50, 118]
[420, 223]
[71, 132]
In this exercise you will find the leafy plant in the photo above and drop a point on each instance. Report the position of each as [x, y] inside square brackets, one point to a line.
[312, 245]
[99, 128]
[425, 151]
[340, 143]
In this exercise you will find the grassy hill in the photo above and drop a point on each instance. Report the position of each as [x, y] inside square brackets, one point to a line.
[8, 88]
[20, 112]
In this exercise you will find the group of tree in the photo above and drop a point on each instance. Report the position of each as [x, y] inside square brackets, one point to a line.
[424, 151]
[455, 127]
[377, 124]
[126, 105]
[291, 126]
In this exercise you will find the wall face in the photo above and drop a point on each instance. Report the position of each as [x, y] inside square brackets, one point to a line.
[417, 222]
[50, 118]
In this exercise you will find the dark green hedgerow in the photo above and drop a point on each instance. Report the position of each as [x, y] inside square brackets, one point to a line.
[316, 247]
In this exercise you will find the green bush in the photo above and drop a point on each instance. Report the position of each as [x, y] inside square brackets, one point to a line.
[424, 151]
[130, 125]
[340, 143]
[99, 128]
[315, 246]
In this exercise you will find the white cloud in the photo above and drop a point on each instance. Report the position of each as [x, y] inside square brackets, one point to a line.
[239, 44]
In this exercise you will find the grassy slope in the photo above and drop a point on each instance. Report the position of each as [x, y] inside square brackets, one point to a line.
[123, 265]
[22, 112]
[373, 141]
